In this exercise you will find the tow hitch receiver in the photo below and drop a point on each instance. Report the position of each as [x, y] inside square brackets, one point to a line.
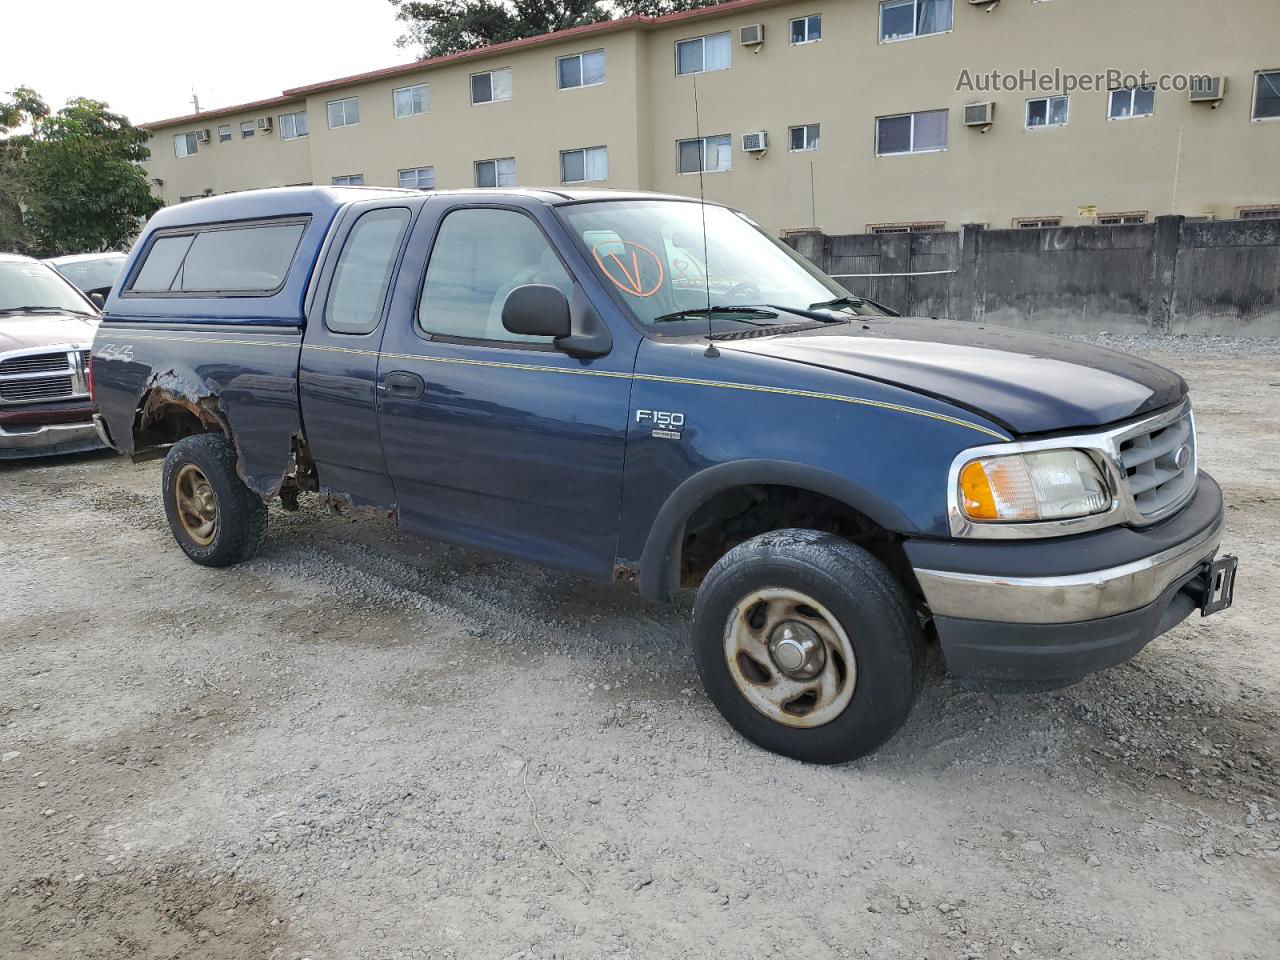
[1218, 585]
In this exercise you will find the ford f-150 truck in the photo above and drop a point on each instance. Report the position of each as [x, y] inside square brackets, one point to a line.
[651, 390]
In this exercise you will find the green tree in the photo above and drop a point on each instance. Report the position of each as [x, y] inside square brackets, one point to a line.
[660, 8]
[440, 27]
[74, 180]
[24, 108]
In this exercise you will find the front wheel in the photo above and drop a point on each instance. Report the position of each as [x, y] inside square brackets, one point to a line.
[215, 518]
[807, 645]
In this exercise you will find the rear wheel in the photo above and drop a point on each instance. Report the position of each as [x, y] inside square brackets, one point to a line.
[216, 519]
[808, 646]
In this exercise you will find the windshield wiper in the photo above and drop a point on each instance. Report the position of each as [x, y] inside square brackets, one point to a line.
[33, 309]
[854, 303]
[838, 302]
[741, 314]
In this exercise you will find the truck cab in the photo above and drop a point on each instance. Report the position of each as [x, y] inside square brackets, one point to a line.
[650, 390]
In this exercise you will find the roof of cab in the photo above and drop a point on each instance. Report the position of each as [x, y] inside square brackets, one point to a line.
[321, 201]
[16, 258]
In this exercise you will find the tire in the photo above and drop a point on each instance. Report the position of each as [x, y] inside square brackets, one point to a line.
[199, 473]
[868, 640]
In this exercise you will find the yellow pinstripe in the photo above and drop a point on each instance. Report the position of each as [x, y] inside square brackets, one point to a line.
[647, 377]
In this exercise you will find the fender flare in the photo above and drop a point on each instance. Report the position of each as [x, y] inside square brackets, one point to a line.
[660, 561]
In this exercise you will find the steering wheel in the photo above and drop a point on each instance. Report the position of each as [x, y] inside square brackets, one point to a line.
[744, 291]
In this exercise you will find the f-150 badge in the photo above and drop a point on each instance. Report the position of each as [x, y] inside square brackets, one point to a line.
[667, 425]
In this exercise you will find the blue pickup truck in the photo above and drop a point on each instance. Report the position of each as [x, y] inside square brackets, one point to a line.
[652, 391]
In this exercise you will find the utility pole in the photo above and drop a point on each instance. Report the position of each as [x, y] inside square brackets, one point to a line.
[195, 102]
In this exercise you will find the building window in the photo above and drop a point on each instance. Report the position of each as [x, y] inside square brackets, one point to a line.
[1137, 102]
[491, 86]
[1269, 212]
[705, 155]
[247, 130]
[920, 226]
[293, 126]
[1266, 97]
[580, 70]
[924, 132]
[578, 166]
[806, 29]
[804, 137]
[224, 133]
[904, 19]
[1047, 112]
[184, 144]
[349, 180]
[410, 101]
[702, 54]
[418, 178]
[1036, 223]
[1122, 219]
[344, 113]
[496, 173]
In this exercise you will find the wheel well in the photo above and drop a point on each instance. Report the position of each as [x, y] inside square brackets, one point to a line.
[164, 418]
[737, 514]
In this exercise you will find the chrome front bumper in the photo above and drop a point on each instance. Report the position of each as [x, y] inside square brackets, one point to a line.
[1067, 599]
[50, 438]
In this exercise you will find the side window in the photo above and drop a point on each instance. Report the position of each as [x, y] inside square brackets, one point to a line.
[253, 259]
[480, 256]
[162, 263]
[363, 274]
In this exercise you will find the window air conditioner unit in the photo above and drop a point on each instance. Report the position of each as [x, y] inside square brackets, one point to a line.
[979, 114]
[202, 136]
[264, 123]
[752, 35]
[1210, 92]
[757, 142]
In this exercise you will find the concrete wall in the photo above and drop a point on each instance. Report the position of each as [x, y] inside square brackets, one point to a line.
[1169, 277]
[1186, 158]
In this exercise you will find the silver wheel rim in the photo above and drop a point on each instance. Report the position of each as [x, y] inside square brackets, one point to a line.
[789, 657]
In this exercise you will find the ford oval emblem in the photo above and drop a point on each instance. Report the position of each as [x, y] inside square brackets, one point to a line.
[1182, 458]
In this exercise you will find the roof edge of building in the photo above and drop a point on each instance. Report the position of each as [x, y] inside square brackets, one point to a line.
[292, 94]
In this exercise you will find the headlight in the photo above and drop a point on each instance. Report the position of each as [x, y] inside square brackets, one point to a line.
[1045, 485]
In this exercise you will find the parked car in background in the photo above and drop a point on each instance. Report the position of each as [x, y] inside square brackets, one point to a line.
[46, 329]
[92, 273]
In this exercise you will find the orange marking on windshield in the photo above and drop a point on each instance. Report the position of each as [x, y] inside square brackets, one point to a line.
[631, 281]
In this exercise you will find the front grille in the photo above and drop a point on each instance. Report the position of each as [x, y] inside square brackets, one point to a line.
[36, 388]
[1161, 466]
[38, 363]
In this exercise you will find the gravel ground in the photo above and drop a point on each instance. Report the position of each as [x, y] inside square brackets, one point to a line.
[363, 746]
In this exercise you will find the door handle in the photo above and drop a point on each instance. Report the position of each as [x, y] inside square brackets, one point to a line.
[403, 384]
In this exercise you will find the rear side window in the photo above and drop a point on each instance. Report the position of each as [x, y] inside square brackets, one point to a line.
[363, 273]
[221, 260]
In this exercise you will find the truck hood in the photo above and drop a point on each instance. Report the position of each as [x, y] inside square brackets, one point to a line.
[1026, 382]
[20, 331]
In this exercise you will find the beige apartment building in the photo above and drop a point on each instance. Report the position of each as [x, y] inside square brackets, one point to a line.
[847, 115]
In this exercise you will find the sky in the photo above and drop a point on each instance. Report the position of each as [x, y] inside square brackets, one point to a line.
[145, 57]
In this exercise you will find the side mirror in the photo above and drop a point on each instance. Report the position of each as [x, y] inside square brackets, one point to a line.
[537, 310]
[98, 299]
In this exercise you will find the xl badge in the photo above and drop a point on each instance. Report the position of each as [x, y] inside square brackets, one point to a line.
[666, 424]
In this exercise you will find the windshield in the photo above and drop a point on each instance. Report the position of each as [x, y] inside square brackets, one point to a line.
[93, 274]
[37, 286]
[652, 252]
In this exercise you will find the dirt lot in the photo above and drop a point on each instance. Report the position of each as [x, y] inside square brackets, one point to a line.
[350, 747]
